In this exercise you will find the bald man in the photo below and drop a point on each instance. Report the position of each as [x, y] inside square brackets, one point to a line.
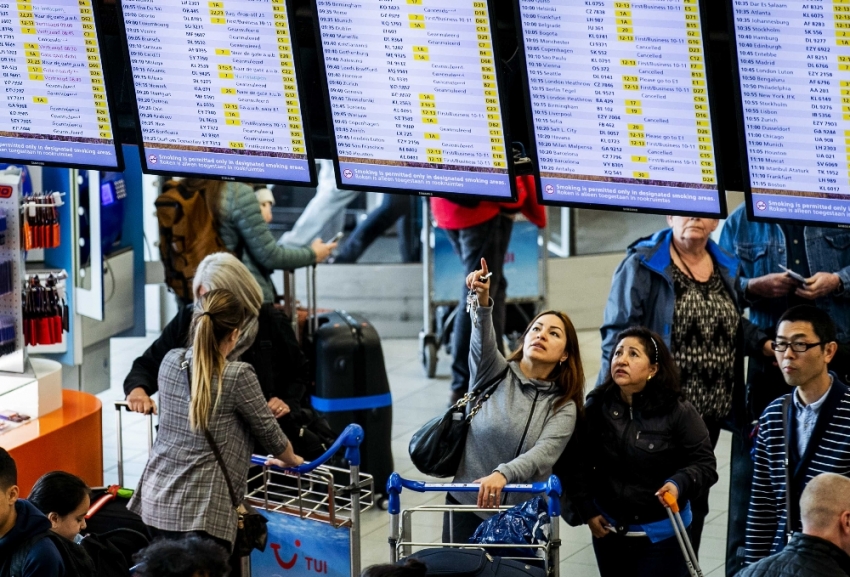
[823, 548]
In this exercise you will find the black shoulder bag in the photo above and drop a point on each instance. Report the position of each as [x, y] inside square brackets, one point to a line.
[251, 530]
[437, 447]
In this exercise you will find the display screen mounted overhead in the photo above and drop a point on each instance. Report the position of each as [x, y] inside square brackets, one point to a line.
[216, 89]
[413, 89]
[53, 105]
[793, 61]
[620, 105]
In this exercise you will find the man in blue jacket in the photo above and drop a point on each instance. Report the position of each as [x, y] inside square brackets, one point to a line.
[801, 434]
[23, 527]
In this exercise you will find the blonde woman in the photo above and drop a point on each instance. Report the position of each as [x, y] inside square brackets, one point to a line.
[182, 489]
[266, 342]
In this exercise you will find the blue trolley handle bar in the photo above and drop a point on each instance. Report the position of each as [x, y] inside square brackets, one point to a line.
[351, 438]
[551, 488]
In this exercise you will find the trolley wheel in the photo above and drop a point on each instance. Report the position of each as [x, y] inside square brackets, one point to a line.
[429, 358]
[382, 502]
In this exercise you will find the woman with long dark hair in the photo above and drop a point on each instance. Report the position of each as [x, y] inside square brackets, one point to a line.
[523, 425]
[643, 440]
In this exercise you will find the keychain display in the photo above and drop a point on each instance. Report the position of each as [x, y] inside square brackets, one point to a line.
[45, 311]
[40, 222]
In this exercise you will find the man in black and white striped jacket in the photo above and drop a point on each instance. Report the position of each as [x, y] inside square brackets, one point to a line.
[801, 434]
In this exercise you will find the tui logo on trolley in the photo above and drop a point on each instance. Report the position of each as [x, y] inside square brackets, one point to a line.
[301, 547]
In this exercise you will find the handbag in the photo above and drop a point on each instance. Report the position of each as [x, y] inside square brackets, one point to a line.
[251, 530]
[437, 447]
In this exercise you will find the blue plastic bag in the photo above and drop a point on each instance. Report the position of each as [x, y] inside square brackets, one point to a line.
[525, 524]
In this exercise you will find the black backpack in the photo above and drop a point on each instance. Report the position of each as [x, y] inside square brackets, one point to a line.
[112, 552]
[76, 560]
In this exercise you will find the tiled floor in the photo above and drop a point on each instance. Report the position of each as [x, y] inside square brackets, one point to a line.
[415, 400]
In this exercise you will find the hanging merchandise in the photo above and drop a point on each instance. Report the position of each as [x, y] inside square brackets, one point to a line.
[45, 310]
[7, 335]
[7, 275]
[40, 228]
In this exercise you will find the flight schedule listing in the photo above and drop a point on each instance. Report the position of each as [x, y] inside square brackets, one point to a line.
[414, 95]
[794, 71]
[53, 106]
[216, 88]
[619, 100]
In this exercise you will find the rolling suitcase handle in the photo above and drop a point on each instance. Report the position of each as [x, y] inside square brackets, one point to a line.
[682, 535]
[118, 422]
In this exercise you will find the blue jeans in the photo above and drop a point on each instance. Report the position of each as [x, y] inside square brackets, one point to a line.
[393, 207]
[619, 556]
[488, 240]
[324, 215]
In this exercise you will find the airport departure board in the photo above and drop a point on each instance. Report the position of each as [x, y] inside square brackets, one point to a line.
[794, 75]
[620, 105]
[216, 89]
[53, 106]
[414, 96]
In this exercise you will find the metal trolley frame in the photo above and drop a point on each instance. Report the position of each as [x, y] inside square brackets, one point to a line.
[401, 521]
[319, 492]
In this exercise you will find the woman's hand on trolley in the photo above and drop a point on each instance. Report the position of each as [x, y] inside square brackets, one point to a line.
[139, 401]
[667, 488]
[479, 281]
[278, 407]
[286, 460]
[599, 526]
[490, 491]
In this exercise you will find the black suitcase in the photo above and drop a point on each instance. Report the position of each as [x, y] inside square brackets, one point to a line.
[352, 387]
[448, 562]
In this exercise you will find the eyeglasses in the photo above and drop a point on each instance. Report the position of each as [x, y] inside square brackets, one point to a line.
[796, 347]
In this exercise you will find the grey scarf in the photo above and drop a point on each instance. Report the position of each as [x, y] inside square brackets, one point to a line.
[246, 338]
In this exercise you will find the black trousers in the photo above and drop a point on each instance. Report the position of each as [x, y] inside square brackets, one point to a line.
[699, 503]
[620, 556]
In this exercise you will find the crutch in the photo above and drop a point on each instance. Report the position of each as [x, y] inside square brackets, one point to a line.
[682, 535]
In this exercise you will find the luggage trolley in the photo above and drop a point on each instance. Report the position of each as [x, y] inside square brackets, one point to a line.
[401, 522]
[313, 513]
[525, 269]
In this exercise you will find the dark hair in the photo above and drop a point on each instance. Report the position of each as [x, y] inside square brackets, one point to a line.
[58, 492]
[665, 384]
[8, 470]
[182, 558]
[410, 568]
[821, 322]
[568, 375]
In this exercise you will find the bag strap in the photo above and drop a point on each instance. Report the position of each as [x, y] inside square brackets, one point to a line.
[212, 443]
[789, 525]
[487, 389]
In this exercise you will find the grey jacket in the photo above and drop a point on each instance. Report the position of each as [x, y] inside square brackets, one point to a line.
[497, 429]
[242, 228]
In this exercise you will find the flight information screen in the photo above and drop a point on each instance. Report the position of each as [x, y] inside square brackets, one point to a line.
[216, 89]
[414, 96]
[794, 74]
[620, 106]
[53, 105]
